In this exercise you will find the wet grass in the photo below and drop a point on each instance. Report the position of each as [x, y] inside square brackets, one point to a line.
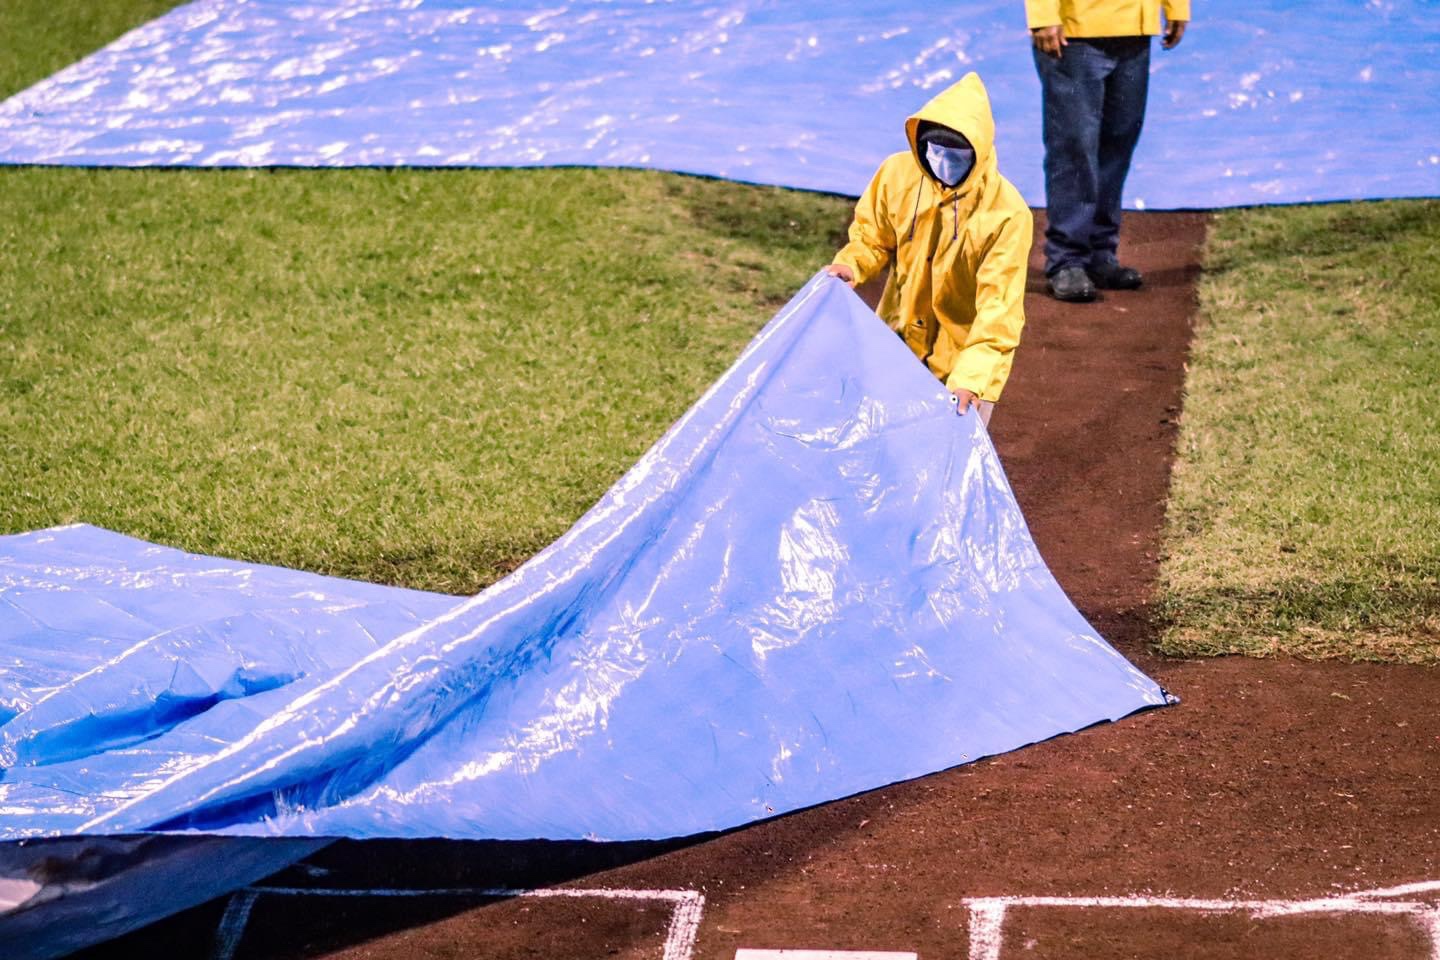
[1305, 512]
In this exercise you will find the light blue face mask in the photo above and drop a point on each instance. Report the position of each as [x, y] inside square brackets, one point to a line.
[950, 165]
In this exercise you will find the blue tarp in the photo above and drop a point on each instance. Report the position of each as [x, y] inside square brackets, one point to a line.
[816, 583]
[1265, 101]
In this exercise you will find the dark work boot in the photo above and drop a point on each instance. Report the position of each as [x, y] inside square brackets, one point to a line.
[1109, 275]
[1072, 285]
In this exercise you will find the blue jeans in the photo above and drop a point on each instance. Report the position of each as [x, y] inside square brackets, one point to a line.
[1094, 106]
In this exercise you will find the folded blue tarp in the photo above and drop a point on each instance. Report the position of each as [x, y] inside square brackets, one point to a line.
[817, 583]
[1265, 101]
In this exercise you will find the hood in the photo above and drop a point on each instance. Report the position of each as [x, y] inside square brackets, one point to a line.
[965, 108]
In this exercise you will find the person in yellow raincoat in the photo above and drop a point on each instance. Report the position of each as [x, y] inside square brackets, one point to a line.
[1093, 58]
[956, 237]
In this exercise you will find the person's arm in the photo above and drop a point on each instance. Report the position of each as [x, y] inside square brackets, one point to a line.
[999, 311]
[872, 237]
[1046, 33]
[1177, 15]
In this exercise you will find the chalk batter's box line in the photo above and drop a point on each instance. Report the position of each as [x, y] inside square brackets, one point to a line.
[688, 906]
[987, 914]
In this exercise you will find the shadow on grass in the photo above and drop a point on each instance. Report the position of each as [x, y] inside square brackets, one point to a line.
[771, 216]
[1341, 617]
[1339, 230]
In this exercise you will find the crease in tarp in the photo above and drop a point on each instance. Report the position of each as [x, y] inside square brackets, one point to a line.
[818, 582]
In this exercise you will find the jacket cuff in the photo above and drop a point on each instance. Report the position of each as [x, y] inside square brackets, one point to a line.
[1176, 10]
[961, 379]
[860, 276]
[1043, 13]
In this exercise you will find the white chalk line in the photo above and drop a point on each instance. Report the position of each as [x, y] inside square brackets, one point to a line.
[684, 927]
[1431, 922]
[232, 924]
[751, 954]
[674, 896]
[987, 914]
[1406, 890]
[987, 921]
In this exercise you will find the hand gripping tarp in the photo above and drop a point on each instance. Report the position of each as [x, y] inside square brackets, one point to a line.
[816, 583]
[1265, 101]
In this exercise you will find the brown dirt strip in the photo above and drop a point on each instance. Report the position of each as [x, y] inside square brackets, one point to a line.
[1273, 779]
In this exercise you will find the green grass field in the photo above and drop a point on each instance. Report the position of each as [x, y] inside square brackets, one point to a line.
[422, 377]
[38, 37]
[415, 377]
[1305, 509]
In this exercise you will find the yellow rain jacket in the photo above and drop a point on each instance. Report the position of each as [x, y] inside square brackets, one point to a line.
[1105, 18]
[958, 255]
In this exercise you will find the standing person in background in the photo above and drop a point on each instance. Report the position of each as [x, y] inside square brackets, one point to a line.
[1093, 57]
[956, 237]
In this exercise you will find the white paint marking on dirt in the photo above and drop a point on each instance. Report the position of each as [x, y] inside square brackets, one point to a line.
[1409, 889]
[1258, 908]
[680, 936]
[232, 924]
[673, 896]
[987, 914]
[1431, 922]
[987, 917]
[684, 925]
[748, 954]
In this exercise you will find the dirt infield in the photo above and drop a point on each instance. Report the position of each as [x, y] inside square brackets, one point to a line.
[1271, 781]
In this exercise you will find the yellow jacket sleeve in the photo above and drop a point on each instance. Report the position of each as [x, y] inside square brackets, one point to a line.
[1042, 13]
[1175, 10]
[872, 234]
[983, 363]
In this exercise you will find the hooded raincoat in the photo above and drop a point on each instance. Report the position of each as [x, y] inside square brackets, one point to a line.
[958, 254]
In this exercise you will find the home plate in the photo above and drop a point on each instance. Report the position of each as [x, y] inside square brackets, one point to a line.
[821, 955]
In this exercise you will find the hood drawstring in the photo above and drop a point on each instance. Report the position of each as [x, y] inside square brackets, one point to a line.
[954, 213]
[915, 214]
